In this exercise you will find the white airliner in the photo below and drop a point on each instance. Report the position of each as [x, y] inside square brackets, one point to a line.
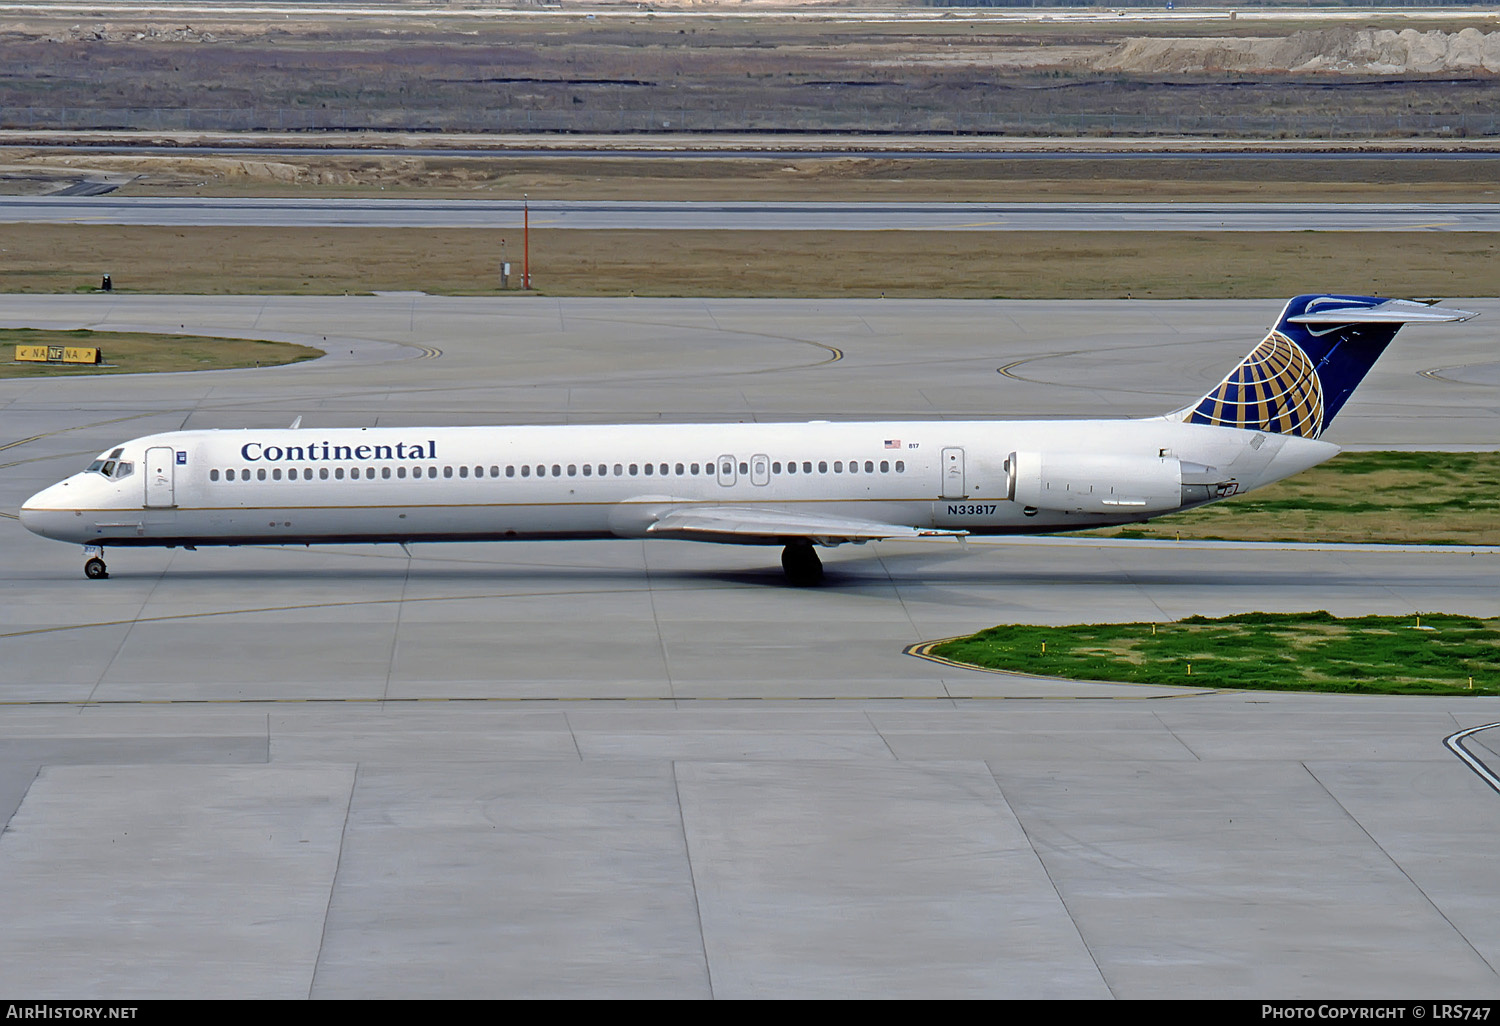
[794, 485]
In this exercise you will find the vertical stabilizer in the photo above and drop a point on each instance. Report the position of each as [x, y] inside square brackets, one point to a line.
[1303, 372]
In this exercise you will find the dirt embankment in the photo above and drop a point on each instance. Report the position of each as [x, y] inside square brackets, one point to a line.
[1342, 50]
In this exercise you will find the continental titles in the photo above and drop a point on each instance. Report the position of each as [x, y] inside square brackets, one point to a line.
[255, 452]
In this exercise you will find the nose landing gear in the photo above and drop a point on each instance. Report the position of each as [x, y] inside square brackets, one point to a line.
[93, 567]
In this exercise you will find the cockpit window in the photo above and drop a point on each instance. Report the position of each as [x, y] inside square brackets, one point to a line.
[112, 466]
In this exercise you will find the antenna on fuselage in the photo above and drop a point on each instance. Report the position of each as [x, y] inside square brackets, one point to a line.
[295, 424]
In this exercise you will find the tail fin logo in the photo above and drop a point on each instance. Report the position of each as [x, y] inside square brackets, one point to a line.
[1276, 388]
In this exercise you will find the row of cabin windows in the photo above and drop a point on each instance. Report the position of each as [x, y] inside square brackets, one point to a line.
[555, 470]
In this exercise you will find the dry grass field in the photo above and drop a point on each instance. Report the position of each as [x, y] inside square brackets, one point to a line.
[1020, 265]
[240, 70]
[602, 177]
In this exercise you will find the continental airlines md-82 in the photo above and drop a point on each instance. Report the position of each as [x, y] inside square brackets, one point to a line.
[795, 485]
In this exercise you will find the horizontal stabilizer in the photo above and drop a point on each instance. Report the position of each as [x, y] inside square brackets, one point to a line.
[1392, 311]
[775, 525]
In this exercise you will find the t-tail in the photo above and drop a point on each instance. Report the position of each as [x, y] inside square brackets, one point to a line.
[1300, 376]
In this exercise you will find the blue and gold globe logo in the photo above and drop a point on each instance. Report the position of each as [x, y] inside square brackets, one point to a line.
[1275, 389]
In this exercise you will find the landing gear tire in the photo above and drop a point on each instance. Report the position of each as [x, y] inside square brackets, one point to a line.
[802, 565]
[95, 570]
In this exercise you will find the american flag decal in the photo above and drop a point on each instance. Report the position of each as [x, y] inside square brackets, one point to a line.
[893, 443]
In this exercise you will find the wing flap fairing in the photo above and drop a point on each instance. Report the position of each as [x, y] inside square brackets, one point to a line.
[777, 525]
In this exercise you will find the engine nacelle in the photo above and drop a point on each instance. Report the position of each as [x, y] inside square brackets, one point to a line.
[1095, 483]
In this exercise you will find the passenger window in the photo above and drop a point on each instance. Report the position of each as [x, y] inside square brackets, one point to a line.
[822, 466]
[447, 471]
[307, 473]
[900, 466]
[323, 473]
[633, 469]
[572, 470]
[620, 469]
[510, 471]
[385, 472]
[401, 473]
[557, 470]
[526, 470]
[213, 475]
[494, 472]
[463, 471]
[885, 466]
[838, 466]
[276, 474]
[679, 469]
[695, 468]
[588, 470]
[338, 472]
[541, 471]
[744, 467]
[869, 466]
[807, 466]
[650, 470]
[791, 467]
[260, 475]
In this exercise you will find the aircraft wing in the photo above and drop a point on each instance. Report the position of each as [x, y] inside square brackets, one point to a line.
[771, 524]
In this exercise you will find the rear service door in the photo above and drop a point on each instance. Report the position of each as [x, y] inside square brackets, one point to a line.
[953, 474]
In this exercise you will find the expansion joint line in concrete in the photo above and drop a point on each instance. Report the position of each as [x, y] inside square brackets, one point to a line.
[1396, 864]
[1047, 872]
[687, 851]
[333, 884]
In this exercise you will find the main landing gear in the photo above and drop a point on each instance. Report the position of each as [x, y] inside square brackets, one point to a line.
[93, 567]
[801, 563]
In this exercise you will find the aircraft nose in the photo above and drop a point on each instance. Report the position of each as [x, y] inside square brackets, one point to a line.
[45, 513]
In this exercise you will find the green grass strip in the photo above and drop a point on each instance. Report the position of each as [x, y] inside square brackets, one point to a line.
[128, 352]
[1420, 654]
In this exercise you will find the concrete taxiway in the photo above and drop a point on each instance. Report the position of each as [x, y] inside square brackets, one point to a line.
[751, 215]
[649, 769]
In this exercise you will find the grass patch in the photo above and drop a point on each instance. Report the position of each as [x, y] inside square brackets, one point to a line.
[1421, 654]
[1445, 498]
[811, 264]
[142, 353]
